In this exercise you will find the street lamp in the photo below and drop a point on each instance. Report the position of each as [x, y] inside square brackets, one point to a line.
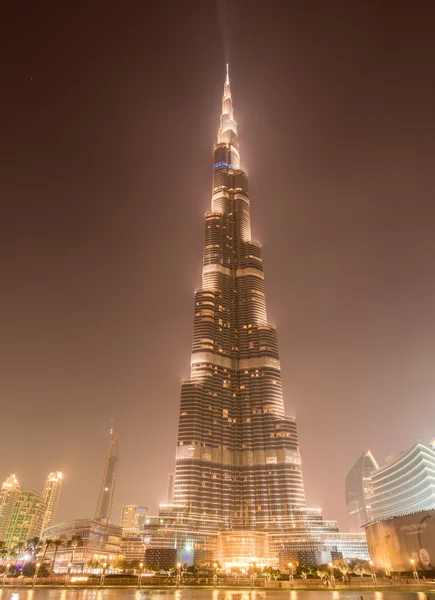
[103, 575]
[36, 573]
[331, 568]
[215, 575]
[178, 574]
[414, 567]
[371, 563]
[252, 575]
[67, 574]
[5, 574]
[290, 571]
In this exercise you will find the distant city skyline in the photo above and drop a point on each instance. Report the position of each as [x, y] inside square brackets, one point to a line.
[107, 139]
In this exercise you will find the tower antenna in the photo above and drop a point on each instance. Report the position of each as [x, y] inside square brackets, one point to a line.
[228, 76]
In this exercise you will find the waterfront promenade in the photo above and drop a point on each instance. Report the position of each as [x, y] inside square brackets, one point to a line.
[363, 585]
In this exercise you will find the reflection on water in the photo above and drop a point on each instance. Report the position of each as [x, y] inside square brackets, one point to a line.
[203, 594]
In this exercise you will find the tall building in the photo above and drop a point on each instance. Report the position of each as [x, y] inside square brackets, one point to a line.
[359, 490]
[404, 485]
[104, 508]
[238, 489]
[50, 495]
[238, 463]
[133, 516]
[9, 494]
[27, 518]
[171, 487]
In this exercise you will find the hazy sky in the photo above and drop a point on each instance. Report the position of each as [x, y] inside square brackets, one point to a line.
[108, 115]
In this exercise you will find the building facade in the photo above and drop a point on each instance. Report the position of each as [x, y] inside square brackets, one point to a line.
[405, 484]
[394, 543]
[104, 508]
[99, 541]
[133, 517]
[238, 463]
[359, 490]
[9, 494]
[171, 487]
[27, 518]
[51, 495]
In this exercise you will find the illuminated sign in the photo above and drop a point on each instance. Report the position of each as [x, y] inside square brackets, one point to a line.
[223, 164]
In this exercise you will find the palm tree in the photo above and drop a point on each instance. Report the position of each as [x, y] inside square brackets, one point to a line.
[34, 546]
[4, 552]
[18, 550]
[57, 543]
[74, 543]
[48, 542]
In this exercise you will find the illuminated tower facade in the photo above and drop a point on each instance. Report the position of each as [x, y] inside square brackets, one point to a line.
[50, 495]
[104, 508]
[26, 519]
[9, 494]
[238, 465]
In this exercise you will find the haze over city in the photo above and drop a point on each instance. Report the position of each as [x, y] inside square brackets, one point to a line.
[106, 164]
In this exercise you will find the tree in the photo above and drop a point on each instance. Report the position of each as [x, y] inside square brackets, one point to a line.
[322, 571]
[95, 563]
[121, 564]
[343, 566]
[4, 552]
[302, 571]
[57, 543]
[362, 567]
[75, 542]
[28, 569]
[34, 546]
[44, 571]
[271, 572]
[18, 551]
[48, 542]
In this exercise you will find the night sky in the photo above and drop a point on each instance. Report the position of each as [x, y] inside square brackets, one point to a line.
[108, 115]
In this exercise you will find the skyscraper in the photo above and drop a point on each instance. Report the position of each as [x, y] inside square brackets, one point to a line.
[9, 494]
[359, 490]
[50, 495]
[103, 511]
[238, 492]
[26, 519]
[237, 460]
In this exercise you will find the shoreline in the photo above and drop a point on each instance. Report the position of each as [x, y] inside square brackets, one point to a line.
[429, 589]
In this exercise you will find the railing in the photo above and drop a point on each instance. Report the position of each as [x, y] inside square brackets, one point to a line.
[132, 581]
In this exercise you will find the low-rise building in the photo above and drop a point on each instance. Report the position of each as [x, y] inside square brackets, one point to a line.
[98, 541]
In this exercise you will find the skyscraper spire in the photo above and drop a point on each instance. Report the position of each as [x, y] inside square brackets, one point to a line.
[227, 81]
[237, 463]
[105, 499]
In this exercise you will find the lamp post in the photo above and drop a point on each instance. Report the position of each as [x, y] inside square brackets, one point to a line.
[290, 572]
[178, 574]
[139, 579]
[36, 573]
[215, 575]
[252, 575]
[68, 574]
[5, 574]
[331, 569]
[414, 567]
[371, 563]
[103, 575]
